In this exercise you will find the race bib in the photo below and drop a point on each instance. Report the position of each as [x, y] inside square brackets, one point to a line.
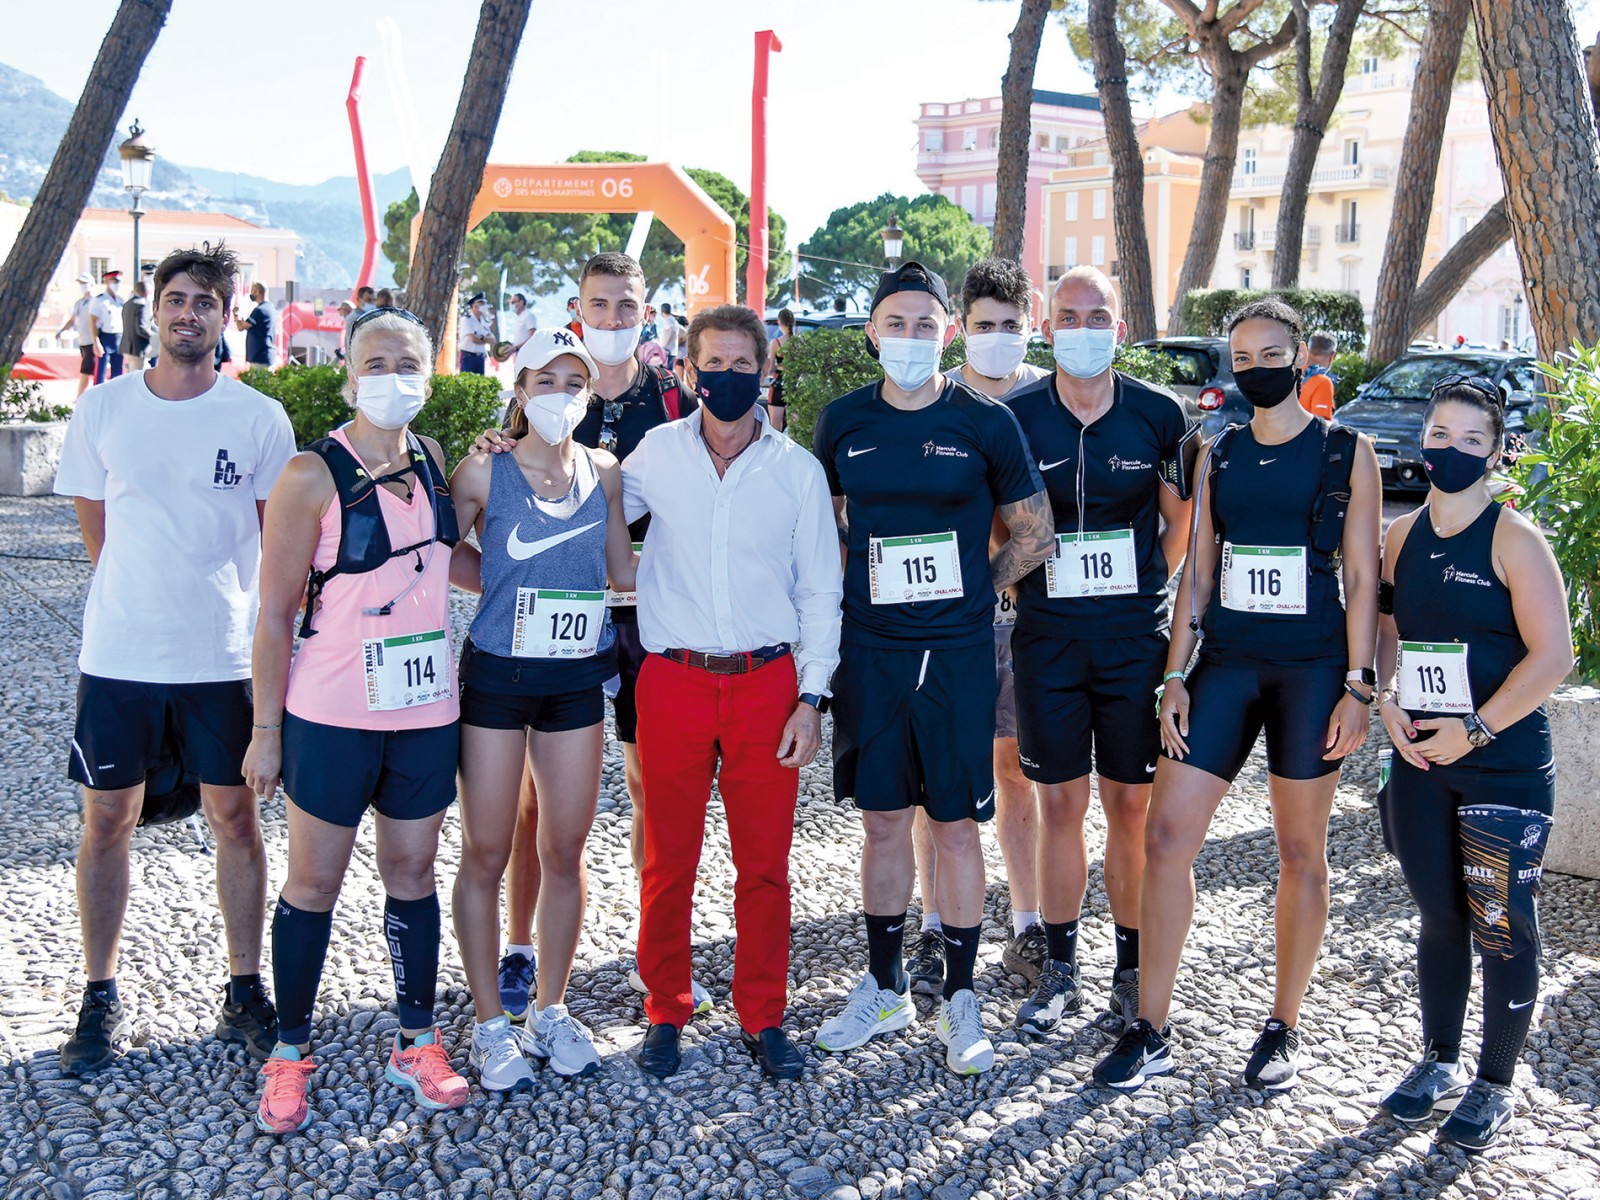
[624, 599]
[405, 671]
[1264, 579]
[1092, 564]
[1005, 609]
[905, 570]
[552, 623]
[1433, 677]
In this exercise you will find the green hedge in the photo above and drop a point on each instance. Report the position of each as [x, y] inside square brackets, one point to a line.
[1338, 313]
[458, 410]
[824, 364]
[23, 400]
[1353, 369]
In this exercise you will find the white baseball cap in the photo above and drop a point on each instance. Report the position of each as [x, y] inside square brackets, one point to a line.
[85, 278]
[546, 345]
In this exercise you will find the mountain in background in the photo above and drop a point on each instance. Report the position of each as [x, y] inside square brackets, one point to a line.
[327, 215]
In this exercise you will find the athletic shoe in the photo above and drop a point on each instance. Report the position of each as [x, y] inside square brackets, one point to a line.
[1125, 996]
[868, 1011]
[703, 1003]
[1025, 953]
[1140, 1053]
[517, 984]
[102, 1023]
[1427, 1087]
[285, 1092]
[426, 1070]
[926, 964]
[563, 1041]
[1275, 1059]
[960, 1028]
[253, 1024]
[496, 1055]
[1482, 1113]
[1056, 995]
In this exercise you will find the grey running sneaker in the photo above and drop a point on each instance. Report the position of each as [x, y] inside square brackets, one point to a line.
[102, 1024]
[563, 1041]
[1125, 996]
[968, 1051]
[868, 1011]
[1025, 953]
[1427, 1087]
[1482, 1113]
[1141, 1052]
[253, 1024]
[1055, 995]
[1275, 1059]
[926, 964]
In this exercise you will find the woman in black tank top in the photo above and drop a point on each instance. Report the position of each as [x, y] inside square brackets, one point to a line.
[1473, 639]
[1280, 655]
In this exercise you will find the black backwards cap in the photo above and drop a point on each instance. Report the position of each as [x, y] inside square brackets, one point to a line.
[911, 277]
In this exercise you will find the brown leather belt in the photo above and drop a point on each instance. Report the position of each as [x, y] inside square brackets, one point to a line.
[727, 664]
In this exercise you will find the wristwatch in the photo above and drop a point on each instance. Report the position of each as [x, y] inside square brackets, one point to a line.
[1478, 733]
[817, 701]
[1364, 675]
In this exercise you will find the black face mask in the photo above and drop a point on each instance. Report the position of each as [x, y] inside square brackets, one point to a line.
[1267, 387]
[728, 395]
[1451, 470]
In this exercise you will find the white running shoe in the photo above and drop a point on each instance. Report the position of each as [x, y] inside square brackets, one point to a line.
[496, 1055]
[703, 1003]
[967, 1050]
[868, 1011]
[563, 1040]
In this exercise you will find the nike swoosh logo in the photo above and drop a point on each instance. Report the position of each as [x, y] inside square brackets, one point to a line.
[897, 928]
[885, 1013]
[519, 549]
[1151, 769]
[1044, 466]
[1524, 1004]
[857, 453]
[1441, 554]
[1122, 937]
[950, 941]
[986, 801]
[1265, 461]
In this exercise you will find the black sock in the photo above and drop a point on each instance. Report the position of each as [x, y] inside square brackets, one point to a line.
[411, 928]
[1127, 949]
[886, 939]
[960, 956]
[1062, 939]
[299, 947]
[106, 987]
[241, 987]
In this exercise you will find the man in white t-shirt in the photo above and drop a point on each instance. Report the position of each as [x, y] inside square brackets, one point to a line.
[169, 470]
[668, 334]
[82, 323]
[523, 323]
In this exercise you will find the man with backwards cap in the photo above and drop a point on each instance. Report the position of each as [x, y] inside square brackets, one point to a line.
[920, 465]
[476, 335]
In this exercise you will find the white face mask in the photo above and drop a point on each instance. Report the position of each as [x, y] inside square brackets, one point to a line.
[1085, 353]
[996, 355]
[611, 347]
[390, 401]
[909, 362]
[554, 415]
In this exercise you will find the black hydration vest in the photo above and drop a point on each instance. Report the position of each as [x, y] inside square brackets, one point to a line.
[363, 533]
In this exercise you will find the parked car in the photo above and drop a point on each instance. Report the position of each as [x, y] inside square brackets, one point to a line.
[1203, 378]
[1388, 407]
[818, 321]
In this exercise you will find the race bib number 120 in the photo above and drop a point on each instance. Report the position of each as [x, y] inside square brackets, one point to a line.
[1264, 579]
[904, 570]
[405, 671]
[552, 623]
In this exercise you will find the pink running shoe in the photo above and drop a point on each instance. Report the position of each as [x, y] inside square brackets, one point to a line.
[426, 1070]
[285, 1093]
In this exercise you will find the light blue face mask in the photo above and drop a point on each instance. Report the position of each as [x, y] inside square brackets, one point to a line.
[1085, 353]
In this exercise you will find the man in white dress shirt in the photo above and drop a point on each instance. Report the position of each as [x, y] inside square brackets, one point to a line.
[739, 591]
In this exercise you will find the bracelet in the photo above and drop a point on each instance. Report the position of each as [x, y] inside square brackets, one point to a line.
[1170, 676]
[1350, 689]
[1387, 695]
[279, 725]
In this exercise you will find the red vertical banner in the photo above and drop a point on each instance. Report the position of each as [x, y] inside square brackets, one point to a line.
[755, 272]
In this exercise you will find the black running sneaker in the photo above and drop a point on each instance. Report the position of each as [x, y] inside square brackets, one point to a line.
[253, 1024]
[1427, 1087]
[926, 964]
[1275, 1059]
[1141, 1051]
[1483, 1112]
[1025, 953]
[1054, 997]
[102, 1023]
[1125, 996]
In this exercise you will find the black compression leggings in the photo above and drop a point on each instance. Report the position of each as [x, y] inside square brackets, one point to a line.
[1422, 828]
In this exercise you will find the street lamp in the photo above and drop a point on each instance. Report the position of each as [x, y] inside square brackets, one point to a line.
[138, 161]
[893, 241]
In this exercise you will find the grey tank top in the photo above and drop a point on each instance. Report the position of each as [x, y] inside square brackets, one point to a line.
[530, 542]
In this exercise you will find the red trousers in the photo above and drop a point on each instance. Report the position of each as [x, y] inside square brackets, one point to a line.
[687, 719]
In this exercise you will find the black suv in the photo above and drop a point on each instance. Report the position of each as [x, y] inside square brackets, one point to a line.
[1203, 377]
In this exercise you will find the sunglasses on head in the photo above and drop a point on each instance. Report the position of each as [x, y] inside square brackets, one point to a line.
[1478, 383]
[387, 309]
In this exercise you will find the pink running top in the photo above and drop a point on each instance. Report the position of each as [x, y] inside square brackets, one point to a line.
[364, 671]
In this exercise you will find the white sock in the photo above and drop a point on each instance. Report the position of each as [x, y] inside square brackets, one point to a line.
[930, 920]
[525, 951]
[1021, 922]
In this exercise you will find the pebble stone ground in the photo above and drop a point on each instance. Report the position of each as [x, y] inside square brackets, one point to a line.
[172, 1118]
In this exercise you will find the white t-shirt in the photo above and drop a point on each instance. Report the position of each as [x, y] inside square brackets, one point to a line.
[522, 327]
[107, 310]
[173, 599]
[667, 332]
[80, 318]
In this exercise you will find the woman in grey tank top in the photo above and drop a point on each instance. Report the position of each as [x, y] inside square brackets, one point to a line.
[548, 516]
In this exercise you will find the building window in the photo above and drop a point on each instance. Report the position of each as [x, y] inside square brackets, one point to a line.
[1348, 231]
[1099, 204]
[1070, 251]
[1249, 160]
[1511, 323]
[1097, 250]
[1369, 65]
[1042, 141]
[1348, 281]
[987, 211]
[1063, 143]
[933, 140]
[1100, 158]
[969, 139]
[1072, 208]
[1116, 268]
[98, 268]
[1352, 152]
[1463, 223]
[994, 137]
[969, 200]
[1244, 277]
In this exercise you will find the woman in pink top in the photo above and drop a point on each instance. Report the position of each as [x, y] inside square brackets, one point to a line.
[365, 715]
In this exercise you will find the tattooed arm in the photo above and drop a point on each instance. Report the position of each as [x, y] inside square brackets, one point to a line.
[1032, 525]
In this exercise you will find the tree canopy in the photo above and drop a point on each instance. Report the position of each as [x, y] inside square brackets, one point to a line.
[846, 255]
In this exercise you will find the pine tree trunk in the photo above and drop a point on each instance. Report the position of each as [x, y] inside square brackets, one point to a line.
[59, 203]
[1469, 253]
[1216, 177]
[1414, 183]
[1016, 131]
[1127, 173]
[459, 175]
[1313, 112]
[1544, 137]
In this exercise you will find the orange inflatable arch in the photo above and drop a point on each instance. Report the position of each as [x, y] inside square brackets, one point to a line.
[661, 188]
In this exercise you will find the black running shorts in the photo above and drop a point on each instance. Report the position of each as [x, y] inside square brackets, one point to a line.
[122, 723]
[545, 696]
[335, 773]
[1230, 706]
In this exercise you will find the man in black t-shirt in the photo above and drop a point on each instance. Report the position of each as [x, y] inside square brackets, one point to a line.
[257, 329]
[920, 465]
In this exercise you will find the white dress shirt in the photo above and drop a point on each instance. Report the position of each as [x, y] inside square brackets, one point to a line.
[734, 564]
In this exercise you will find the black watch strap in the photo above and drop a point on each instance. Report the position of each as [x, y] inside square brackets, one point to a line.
[816, 700]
